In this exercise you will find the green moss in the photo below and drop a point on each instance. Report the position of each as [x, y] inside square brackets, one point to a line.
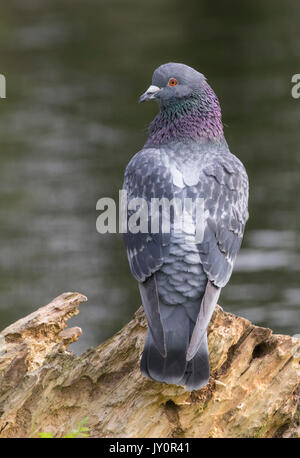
[80, 431]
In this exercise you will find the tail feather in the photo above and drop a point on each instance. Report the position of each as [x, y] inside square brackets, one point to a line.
[174, 368]
[171, 368]
[197, 371]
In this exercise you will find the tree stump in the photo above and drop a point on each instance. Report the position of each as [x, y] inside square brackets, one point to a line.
[253, 389]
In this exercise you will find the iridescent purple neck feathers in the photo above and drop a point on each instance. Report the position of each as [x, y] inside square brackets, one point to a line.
[195, 117]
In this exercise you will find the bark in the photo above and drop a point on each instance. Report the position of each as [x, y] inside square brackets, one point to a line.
[253, 389]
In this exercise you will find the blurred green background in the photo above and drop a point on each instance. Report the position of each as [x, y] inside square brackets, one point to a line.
[71, 123]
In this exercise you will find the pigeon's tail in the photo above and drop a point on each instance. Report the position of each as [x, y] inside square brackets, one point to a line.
[174, 367]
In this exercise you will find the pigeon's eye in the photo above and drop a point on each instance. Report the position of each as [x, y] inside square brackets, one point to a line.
[172, 82]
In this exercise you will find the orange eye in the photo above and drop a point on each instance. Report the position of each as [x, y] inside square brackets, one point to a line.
[172, 82]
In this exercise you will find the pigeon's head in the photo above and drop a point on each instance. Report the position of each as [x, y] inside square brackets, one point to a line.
[172, 82]
[189, 108]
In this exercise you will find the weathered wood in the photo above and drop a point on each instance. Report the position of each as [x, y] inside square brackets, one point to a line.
[253, 389]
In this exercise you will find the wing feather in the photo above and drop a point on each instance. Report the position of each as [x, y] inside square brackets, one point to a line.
[228, 214]
[147, 177]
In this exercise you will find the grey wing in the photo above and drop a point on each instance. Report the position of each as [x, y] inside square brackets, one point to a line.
[224, 188]
[146, 177]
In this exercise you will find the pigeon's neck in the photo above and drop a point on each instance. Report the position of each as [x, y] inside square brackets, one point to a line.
[198, 116]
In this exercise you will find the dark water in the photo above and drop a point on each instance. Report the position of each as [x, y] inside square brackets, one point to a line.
[71, 123]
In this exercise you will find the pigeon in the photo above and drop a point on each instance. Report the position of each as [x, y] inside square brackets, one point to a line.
[180, 276]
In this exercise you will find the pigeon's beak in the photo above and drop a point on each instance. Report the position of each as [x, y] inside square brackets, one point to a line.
[150, 93]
